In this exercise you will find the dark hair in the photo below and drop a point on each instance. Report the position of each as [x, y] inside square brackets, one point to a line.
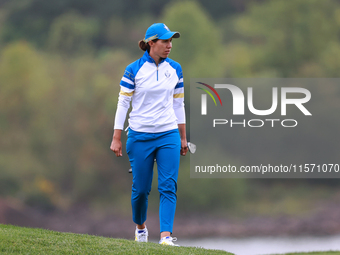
[145, 46]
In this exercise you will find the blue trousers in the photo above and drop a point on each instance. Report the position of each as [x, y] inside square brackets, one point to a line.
[142, 149]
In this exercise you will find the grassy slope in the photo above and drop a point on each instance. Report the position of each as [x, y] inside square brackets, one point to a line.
[315, 253]
[18, 240]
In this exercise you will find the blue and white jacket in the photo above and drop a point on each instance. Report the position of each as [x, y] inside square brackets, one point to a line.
[157, 95]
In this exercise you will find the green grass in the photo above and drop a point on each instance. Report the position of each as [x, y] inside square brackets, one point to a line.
[314, 253]
[18, 240]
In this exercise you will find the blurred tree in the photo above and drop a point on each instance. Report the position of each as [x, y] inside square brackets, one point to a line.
[25, 122]
[32, 19]
[71, 34]
[116, 28]
[24, 84]
[238, 58]
[220, 8]
[286, 34]
[199, 48]
[56, 124]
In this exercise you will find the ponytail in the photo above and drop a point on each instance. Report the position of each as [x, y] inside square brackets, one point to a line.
[145, 46]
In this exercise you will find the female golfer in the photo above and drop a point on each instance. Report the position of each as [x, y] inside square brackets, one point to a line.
[156, 128]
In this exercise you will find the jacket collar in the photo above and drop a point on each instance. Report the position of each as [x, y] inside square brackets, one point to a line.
[148, 58]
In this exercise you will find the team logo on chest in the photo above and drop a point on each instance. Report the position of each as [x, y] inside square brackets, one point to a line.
[167, 74]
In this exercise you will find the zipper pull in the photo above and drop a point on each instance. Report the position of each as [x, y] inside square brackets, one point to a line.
[157, 73]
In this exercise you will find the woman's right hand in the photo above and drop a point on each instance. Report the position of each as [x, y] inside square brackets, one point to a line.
[116, 144]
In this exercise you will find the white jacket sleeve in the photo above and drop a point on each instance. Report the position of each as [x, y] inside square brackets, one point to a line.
[180, 114]
[178, 102]
[123, 106]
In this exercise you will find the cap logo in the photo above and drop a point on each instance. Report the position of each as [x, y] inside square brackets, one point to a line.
[166, 27]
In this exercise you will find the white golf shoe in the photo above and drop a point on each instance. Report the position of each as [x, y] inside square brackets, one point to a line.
[168, 240]
[141, 235]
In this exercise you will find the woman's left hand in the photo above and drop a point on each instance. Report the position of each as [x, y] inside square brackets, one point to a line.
[184, 147]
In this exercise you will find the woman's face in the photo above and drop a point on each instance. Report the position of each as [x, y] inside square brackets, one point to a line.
[161, 48]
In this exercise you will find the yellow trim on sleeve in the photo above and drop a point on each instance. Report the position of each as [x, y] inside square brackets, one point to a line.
[126, 94]
[179, 95]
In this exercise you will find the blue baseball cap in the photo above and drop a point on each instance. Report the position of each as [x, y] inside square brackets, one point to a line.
[159, 31]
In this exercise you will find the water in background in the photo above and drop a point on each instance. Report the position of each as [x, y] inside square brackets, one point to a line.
[267, 245]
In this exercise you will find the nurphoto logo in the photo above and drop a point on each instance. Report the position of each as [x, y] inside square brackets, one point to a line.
[238, 104]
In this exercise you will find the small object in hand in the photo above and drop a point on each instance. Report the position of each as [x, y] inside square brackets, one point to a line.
[191, 147]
